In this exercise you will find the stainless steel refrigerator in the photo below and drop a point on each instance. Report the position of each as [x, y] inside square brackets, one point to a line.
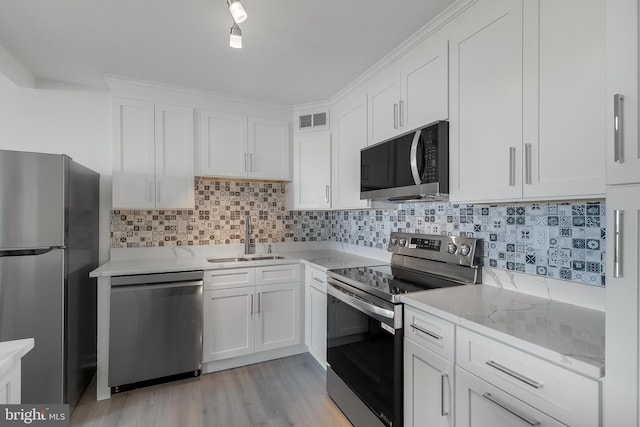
[48, 246]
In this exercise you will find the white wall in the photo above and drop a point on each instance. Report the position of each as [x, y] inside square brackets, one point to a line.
[62, 119]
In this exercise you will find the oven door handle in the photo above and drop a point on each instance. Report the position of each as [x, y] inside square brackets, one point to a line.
[360, 305]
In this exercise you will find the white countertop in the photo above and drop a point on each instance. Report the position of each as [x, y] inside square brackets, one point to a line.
[323, 259]
[12, 351]
[566, 334]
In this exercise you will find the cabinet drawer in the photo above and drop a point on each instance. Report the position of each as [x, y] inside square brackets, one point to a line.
[317, 279]
[229, 278]
[479, 404]
[273, 274]
[562, 394]
[430, 331]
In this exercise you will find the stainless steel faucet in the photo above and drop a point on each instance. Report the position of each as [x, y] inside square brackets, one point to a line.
[248, 247]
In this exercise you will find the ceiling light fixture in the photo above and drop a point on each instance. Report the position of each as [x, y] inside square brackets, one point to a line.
[237, 11]
[235, 38]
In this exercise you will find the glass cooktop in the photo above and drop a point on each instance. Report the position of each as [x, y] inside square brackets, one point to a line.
[388, 281]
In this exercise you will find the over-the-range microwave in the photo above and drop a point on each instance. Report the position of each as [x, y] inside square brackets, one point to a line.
[409, 167]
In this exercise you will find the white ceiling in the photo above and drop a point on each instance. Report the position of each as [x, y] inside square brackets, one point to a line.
[295, 51]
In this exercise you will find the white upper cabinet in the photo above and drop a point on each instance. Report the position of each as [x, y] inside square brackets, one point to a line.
[153, 155]
[238, 146]
[564, 110]
[485, 130]
[268, 149]
[312, 171]
[384, 106]
[349, 122]
[424, 84]
[174, 157]
[410, 93]
[527, 95]
[623, 146]
[223, 143]
[133, 154]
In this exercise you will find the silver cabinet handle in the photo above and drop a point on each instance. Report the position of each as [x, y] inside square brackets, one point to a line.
[514, 374]
[527, 163]
[424, 331]
[246, 162]
[442, 381]
[322, 282]
[251, 310]
[618, 216]
[395, 116]
[511, 410]
[149, 192]
[512, 166]
[618, 152]
[326, 193]
[413, 158]
[259, 300]
[401, 113]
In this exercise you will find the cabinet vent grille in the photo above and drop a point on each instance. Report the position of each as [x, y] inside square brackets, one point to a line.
[320, 119]
[315, 121]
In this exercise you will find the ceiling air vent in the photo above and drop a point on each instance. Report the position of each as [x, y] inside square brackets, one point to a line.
[315, 121]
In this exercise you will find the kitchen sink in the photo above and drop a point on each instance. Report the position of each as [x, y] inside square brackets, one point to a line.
[239, 259]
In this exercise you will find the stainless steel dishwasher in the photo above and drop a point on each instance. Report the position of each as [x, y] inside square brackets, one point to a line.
[155, 328]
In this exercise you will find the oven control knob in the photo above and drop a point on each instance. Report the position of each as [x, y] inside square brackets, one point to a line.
[452, 248]
[394, 241]
[403, 242]
[465, 249]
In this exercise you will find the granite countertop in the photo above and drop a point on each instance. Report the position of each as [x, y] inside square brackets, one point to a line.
[324, 259]
[12, 351]
[566, 334]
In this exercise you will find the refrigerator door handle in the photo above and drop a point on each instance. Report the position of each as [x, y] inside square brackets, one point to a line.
[29, 251]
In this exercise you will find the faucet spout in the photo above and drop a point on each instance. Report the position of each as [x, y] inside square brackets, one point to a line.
[248, 247]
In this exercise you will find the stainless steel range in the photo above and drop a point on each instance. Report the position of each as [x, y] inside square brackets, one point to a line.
[364, 320]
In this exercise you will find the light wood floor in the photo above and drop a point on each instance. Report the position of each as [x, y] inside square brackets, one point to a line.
[283, 392]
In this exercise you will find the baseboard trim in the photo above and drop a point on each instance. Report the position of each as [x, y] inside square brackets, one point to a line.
[250, 359]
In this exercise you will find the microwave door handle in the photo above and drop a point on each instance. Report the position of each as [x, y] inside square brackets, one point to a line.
[414, 158]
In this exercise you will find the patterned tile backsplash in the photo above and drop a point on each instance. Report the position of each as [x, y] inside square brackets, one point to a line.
[563, 240]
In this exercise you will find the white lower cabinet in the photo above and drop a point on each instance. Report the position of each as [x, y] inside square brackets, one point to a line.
[315, 313]
[428, 387]
[456, 376]
[277, 316]
[241, 320]
[480, 404]
[428, 370]
[538, 384]
[228, 323]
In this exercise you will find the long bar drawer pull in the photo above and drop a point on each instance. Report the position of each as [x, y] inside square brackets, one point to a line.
[443, 377]
[618, 154]
[618, 216]
[509, 409]
[512, 166]
[431, 334]
[519, 377]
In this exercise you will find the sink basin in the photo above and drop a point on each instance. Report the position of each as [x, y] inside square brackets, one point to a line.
[239, 259]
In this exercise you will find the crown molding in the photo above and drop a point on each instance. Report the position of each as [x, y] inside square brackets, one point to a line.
[123, 86]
